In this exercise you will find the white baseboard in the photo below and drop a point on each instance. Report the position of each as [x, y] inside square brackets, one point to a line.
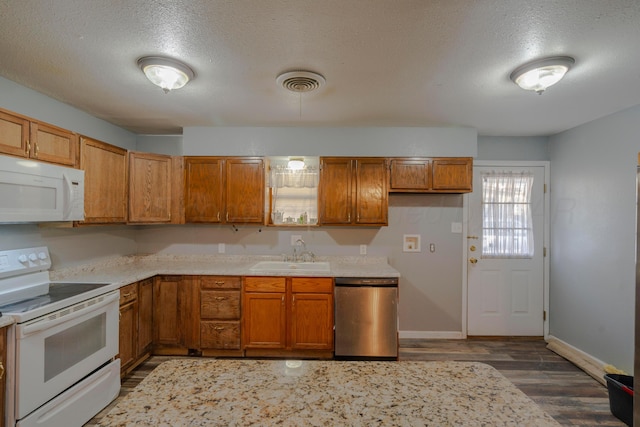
[584, 361]
[445, 335]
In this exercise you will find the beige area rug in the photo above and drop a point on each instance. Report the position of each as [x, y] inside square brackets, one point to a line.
[213, 392]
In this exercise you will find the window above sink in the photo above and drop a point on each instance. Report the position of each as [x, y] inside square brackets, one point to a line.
[293, 191]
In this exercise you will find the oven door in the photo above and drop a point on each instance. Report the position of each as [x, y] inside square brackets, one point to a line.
[55, 351]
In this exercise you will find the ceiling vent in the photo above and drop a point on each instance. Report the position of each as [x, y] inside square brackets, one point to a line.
[300, 81]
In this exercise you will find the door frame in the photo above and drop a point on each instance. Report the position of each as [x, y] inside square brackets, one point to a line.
[546, 236]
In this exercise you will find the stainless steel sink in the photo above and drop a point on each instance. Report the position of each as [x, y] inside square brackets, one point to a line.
[268, 266]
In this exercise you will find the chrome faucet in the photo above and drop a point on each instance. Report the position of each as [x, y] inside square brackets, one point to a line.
[305, 255]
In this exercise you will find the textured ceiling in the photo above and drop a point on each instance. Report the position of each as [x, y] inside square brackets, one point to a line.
[386, 63]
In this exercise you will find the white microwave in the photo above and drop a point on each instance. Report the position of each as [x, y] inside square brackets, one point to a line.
[38, 192]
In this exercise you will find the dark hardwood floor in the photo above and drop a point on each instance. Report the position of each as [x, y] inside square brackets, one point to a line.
[565, 392]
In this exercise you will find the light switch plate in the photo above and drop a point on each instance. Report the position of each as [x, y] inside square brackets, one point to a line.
[221, 248]
[456, 227]
[363, 249]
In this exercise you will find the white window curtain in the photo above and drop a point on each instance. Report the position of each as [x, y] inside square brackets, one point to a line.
[295, 195]
[507, 225]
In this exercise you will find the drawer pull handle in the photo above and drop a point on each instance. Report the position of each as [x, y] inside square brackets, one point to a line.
[219, 282]
[1, 370]
[221, 298]
[219, 328]
[127, 295]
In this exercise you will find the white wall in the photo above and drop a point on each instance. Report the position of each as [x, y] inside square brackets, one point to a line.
[22, 100]
[370, 141]
[593, 223]
[513, 148]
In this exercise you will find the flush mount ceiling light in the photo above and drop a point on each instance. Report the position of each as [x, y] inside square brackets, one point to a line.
[296, 163]
[167, 73]
[300, 81]
[540, 74]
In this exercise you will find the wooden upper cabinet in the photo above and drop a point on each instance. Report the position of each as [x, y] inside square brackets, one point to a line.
[353, 191]
[410, 174]
[53, 144]
[245, 190]
[453, 174]
[224, 189]
[105, 181]
[14, 135]
[371, 201]
[149, 187]
[204, 189]
[431, 175]
[335, 190]
[20, 136]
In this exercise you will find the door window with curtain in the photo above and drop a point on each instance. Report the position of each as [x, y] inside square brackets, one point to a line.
[507, 226]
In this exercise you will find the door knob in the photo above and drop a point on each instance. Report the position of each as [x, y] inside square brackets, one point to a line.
[473, 260]
[472, 248]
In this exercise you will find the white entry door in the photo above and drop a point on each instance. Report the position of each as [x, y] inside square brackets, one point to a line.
[505, 244]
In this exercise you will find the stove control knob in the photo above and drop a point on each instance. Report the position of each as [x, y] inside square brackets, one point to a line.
[42, 256]
[22, 258]
[33, 257]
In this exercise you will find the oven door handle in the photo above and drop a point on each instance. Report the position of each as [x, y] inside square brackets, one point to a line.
[46, 324]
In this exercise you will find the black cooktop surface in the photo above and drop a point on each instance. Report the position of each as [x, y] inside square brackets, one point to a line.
[57, 292]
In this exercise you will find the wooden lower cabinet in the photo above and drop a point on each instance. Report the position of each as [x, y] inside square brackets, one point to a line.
[3, 373]
[220, 314]
[135, 324]
[288, 316]
[176, 314]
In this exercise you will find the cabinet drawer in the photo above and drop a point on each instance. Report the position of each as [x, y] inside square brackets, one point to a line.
[220, 282]
[219, 304]
[128, 293]
[312, 285]
[220, 335]
[265, 284]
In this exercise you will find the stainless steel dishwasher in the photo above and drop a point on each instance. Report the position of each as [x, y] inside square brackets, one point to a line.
[366, 318]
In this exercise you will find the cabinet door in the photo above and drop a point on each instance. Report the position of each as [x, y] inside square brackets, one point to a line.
[149, 187]
[128, 324]
[166, 313]
[264, 320]
[335, 191]
[203, 193]
[14, 135]
[312, 321]
[105, 181]
[53, 144]
[371, 203]
[453, 174]
[3, 374]
[145, 316]
[245, 190]
[410, 174]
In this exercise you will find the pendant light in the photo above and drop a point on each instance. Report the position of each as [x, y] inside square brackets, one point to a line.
[540, 74]
[167, 73]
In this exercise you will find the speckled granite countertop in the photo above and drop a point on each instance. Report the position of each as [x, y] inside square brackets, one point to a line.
[129, 269]
[6, 321]
[209, 392]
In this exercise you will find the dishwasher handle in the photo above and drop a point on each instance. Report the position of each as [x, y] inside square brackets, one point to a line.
[367, 281]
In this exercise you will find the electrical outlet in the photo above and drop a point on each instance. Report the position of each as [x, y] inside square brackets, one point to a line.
[363, 249]
[456, 227]
[432, 247]
[295, 238]
[221, 248]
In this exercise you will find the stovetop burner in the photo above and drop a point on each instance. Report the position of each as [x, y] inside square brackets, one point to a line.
[57, 292]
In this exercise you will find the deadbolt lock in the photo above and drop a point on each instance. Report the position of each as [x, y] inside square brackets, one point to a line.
[472, 248]
[473, 260]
